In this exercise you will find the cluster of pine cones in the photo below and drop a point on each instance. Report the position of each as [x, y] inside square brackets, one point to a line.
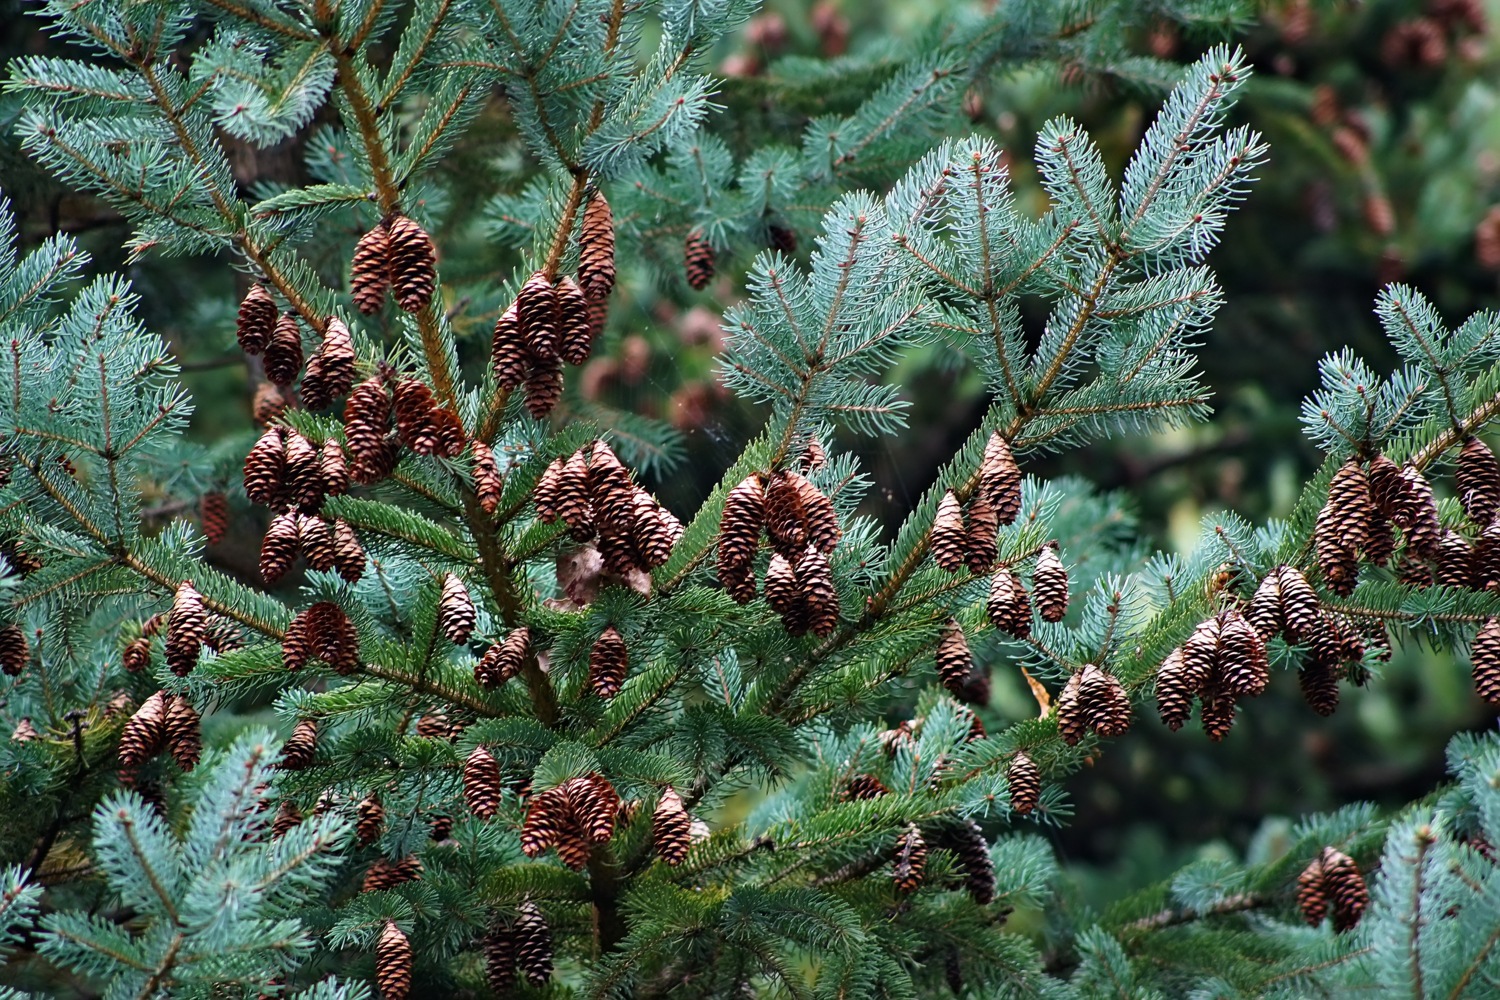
[593, 494]
[521, 944]
[1010, 604]
[324, 632]
[802, 528]
[552, 321]
[966, 842]
[163, 722]
[504, 659]
[1224, 659]
[291, 475]
[397, 255]
[573, 817]
[1093, 700]
[278, 339]
[1332, 881]
[961, 540]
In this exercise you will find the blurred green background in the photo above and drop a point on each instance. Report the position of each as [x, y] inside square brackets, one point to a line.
[1384, 125]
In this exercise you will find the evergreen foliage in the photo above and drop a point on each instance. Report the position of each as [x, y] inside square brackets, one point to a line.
[447, 820]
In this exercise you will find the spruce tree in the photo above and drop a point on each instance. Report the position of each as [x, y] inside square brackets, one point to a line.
[525, 701]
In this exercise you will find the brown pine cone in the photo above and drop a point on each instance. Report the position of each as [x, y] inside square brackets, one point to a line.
[348, 554]
[1346, 889]
[1381, 542]
[1105, 704]
[980, 548]
[596, 806]
[547, 492]
[544, 386]
[287, 818]
[533, 944]
[652, 531]
[137, 655]
[1338, 563]
[1312, 893]
[24, 732]
[1423, 530]
[598, 317]
[256, 320]
[864, 786]
[540, 316]
[367, 419]
[1000, 478]
[333, 467]
[596, 248]
[1264, 612]
[1389, 490]
[910, 862]
[451, 437]
[508, 349]
[739, 532]
[1009, 604]
[1455, 561]
[503, 660]
[370, 272]
[144, 732]
[268, 404]
[283, 355]
[487, 480]
[1243, 667]
[1484, 655]
[1477, 481]
[296, 647]
[609, 661]
[304, 474]
[180, 730]
[1072, 715]
[576, 339]
[968, 845]
[739, 583]
[1217, 714]
[616, 544]
[610, 490]
[671, 828]
[698, 259]
[785, 520]
[482, 783]
[954, 661]
[1299, 605]
[185, 629]
[455, 612]
[1320, 686]
[332, 637]
[15, 651]
[818, 516]
[413, 261]
[330, 371]
[393, 960]
[500, 957]
[1024, 779]
[572, 497]
[948, 536]
[819, 598]
[547, 818]
[265, 468]
[781, 585]
[1175, 689]
[414, 416]
[1049, 584]
[369, 820]
[301, 747]
[278, 549]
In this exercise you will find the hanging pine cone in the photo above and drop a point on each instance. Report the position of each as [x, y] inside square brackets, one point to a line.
[784, 517]
[819, 519]
[698, 258]
[413, 263]
[332, 637]
[813, 457]
[369, 820]
[1455, 561]
[1000, 478]
[947, 537]
[1320, 686]
[652, 531]
[393, 963]
[739, 536]
[24, 732]
[1216, 713]
[503, 660]
[451, 438]
[968, 845]
[367, 419]
[1102, 698]
[547, 817]
[596, 806]
[609, 661]
[1423, 529]
[980, 548]
[1484, 655]
[487, 481]
[144, 732]
[547, 492]
[1477, 481]
[1024, 779]
[819, 598]
[265, 468]
[296, 647]
[540, 318]
[533, 944]
[1338, 563]
[287, 818]
[1346, 889]
[781, 586]
[1009, 604]
[213, 515]
[348, 554]
[1175, 690]
[268, 404]
[544, 386]
[370, 272]
[330, 371]
[864, 786]
[283, 355]
[414, 422]
[455, 612]
[278, 549]
[572, 497]
[954, 661]
[910, 861]
[670, 826]
[301, 747]
[610, 490]
[1049, 584]
[15, 651]
[1381, 542]
[441, 828]
[616, 544]
[1312, 893]
[1243, 667]
[576, 337]
[482, 783]
[137, 655]
[596, 248]
[1389, 490]
[256, 320]
[500, 957]
[1299, 605]
[304, 475]
[185, 629]
[1072, 718]
[1264, 612]
[180, 730]
[598, 317]
[508, 359]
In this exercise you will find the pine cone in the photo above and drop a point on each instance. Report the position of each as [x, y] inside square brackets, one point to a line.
[598, 317]
[301, 747]
[576, 339]
[265, 468]
[1200, 655]
[256, 320]
[413, 262]
[1423, 530]
[500, 957]
[1320, 686]
[1000, 478]
[698, 258]
[287, 818]
[544, 386]
[781, 586]
[1072, 716]
[1174, 691]
[503, 660]
[968, 845]
[1484, 655]
[547, 818]
[1477, 481]
[547, 492]
[540, 318]
[1243, 665]
[369, 820]
[980, 548]
[268, 404]
[910, 861]
[1217, 714]
[1381, 542]
[1455, 561]
[330, 371]
[144, 732]
[487, 480]
[1049, 584]
[572, 497]
[213, 515]
[332, 637]
[739, 533]
[452, 440]
[370, 272]
[296, 647]
[611, 492]
[455, 612]
[596, 805]
[813, 457]
[304, 474]
[1339, 564]
[1345, 887]
[393, 959]
[819, 598]
[864, 786]
[533, 944]
[947, 537]
[1299, 605]
[609, 661]
[283, 355]
[1009, 604]
[1312, 893]
[781, 238]
[596, 248]
[24, 732]
[315, 539]
[508, 358]
[348, 554]
[1025, 781]
[1264, 613]
[1104, 702]
[137, 655]
[185, 629]
[414, 416]
[385, 875]
[785, 520]
[954, 661]
[482, 783]
[653, 533]
[278, 549]
[15, 651]
[367, 419]
[818, 516]
[180, 730]
[670, 826]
